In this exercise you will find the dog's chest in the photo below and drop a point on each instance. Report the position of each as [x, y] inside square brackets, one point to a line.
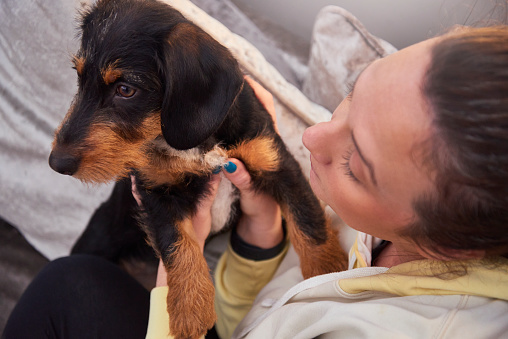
[194, 160]
[223, 205]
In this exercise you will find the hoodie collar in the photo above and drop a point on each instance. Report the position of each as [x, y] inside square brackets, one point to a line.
[486, 278]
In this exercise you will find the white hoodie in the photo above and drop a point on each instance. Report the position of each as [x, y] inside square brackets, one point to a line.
[418, 299]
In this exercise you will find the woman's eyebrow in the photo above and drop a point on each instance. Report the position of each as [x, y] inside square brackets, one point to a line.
[351, 86]
[366, 162]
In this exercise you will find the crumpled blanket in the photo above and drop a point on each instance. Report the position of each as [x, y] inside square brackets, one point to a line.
[37, 85]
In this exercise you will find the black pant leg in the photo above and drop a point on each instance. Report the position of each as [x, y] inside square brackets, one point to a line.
[80, 296]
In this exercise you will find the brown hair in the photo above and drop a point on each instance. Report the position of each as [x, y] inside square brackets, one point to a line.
[466, 86]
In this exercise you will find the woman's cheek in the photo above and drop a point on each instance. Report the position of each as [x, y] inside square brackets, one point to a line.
[348, 201]
[327, 186]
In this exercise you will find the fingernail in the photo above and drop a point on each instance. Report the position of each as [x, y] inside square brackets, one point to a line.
[230, 167]
[217, 170]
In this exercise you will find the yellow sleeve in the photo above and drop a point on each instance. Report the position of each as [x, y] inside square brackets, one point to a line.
[237, 283]
[158, 320]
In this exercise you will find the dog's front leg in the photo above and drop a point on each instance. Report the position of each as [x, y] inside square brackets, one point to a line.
[190, 300]
[311, 234]
[310, 231]
[191, 292]
[275, 172]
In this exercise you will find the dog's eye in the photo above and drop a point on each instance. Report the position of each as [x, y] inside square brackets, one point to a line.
[125, 91]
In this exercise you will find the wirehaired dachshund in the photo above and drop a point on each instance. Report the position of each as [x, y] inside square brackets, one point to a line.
[160, 99]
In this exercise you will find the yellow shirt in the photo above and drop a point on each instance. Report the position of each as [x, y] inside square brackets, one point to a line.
[236, 290]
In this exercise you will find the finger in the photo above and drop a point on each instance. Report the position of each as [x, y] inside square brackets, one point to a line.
[265, 97]
[261, 221]
[207, 200]
[202, 219]
[250, 201]
[203, 211]
[162, 276]
[261, 93]
[135, 192]
[236, 172]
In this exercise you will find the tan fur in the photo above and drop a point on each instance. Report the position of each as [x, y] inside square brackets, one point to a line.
[315, 260]
[258, 154]
[106, 155]
[190, 306]
[169, 166]
[166, 166]
[110, 151]
[79, 64]
[111, 73]
[186, 32]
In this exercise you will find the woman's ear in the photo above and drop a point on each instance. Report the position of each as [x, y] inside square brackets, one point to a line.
[202, 81]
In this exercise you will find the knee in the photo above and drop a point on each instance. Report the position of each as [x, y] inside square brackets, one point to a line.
[75, 268]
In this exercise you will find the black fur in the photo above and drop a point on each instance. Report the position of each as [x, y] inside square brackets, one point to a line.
[113, 231]
[180, 73]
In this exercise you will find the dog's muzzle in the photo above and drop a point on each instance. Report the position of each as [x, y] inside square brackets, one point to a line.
[63, 163]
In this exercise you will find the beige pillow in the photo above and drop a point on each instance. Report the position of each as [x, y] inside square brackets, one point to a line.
[341, 47]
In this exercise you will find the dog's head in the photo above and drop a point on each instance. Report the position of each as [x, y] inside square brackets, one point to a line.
[143, 71]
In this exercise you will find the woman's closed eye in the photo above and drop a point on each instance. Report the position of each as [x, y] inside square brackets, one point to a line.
[347, 167]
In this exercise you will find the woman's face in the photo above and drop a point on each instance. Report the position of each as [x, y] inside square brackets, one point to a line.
[367, 160]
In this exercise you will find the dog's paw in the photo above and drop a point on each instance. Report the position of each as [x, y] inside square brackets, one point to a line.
[191, 292]
[191, 308]
[317, 259]
[324, 259]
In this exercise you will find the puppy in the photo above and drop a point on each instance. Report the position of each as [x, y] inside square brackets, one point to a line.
[160, 99]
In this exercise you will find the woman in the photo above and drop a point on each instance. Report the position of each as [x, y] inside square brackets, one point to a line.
[416, 155]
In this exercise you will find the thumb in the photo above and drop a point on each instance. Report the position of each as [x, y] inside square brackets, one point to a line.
[208, 199]
[236, 172]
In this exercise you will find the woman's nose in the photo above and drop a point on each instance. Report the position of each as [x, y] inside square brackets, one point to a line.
[318, 138]
[324, 139]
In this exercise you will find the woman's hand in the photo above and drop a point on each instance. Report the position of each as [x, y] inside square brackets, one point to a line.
[202, 219]
[261, 221]
[265, 97]
[201, 225]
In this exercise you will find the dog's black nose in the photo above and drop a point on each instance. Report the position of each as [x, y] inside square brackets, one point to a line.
[63, 163]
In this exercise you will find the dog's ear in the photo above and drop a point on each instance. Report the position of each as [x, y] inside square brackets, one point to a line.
[202, 82]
